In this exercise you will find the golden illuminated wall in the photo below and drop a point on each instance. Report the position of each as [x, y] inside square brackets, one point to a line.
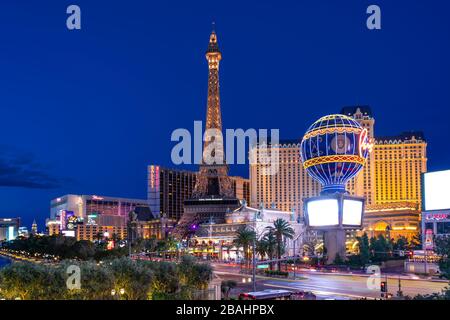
[394, 220]
[399, 164]
[393, 169]
[286, 188]
[390, 180]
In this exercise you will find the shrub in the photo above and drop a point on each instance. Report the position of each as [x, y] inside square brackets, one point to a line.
[276, 273]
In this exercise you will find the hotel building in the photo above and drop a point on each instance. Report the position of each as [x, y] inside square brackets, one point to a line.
[9, 228]
[91, 232]
[85, 216]
[399, 164]
[286, 185]
[390, 180]
[169, 188]
[84, 205]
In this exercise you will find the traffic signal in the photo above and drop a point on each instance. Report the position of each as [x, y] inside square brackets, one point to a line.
[383, 286]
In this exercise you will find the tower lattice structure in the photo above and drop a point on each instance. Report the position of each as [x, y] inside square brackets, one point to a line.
[213, 180]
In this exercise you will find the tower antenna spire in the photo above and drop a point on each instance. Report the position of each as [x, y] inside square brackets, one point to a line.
[213, 26]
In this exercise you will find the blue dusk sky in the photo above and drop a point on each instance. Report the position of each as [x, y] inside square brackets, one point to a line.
[86, 111]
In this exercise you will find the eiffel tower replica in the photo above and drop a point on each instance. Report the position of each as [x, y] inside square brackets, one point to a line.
[213, 194]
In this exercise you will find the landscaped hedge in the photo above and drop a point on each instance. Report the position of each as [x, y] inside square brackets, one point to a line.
[276, 273]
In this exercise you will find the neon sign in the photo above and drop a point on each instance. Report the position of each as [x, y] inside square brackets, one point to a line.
[364, 143]
[436, 216]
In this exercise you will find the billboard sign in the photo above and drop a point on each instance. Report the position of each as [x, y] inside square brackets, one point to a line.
[336, 211]
[352, 212]
[323, 212]
[436, 193]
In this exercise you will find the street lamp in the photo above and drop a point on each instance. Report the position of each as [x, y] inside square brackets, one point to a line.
[254, 252]
[115, 293]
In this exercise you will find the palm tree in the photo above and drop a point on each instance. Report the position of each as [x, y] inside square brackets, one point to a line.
[261, 248]
[270, 241]
[244, 238]
[281, 230]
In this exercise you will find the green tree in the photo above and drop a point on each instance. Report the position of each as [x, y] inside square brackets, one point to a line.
[131, 277]
[84, 250]
[443, 295]
[193, 274]
[96, 282]
[282, 230]
[270, 242]
[381, 248]
[401, 244]
[29, 281]
[261, 248]
[244, 238]
[442, 248]
[416, 242]
[364, 249]
[166, 282]
[150, 244]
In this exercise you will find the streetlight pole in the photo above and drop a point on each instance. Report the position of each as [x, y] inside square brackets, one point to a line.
[295, 258]
[295, 262]
[399, 292]
[254, 254]
[254, 264]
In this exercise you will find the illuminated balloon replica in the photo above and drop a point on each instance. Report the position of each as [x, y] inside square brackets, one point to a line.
[333, 151]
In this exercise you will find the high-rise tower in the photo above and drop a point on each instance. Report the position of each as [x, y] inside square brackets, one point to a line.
[213, 180]
[213, 194]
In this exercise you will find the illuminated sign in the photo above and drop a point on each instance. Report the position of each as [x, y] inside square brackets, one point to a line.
[68, 233]
[334, 211]
[364, 143]
[323, 212]
[72, 222]
[352, 212]
[436, 216]
[65, 217]
[92, 219]
[154, 176]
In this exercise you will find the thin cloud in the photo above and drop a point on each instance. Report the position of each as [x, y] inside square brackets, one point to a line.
[20, 169]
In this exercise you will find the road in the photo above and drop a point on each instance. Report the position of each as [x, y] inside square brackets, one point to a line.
[330, 286]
